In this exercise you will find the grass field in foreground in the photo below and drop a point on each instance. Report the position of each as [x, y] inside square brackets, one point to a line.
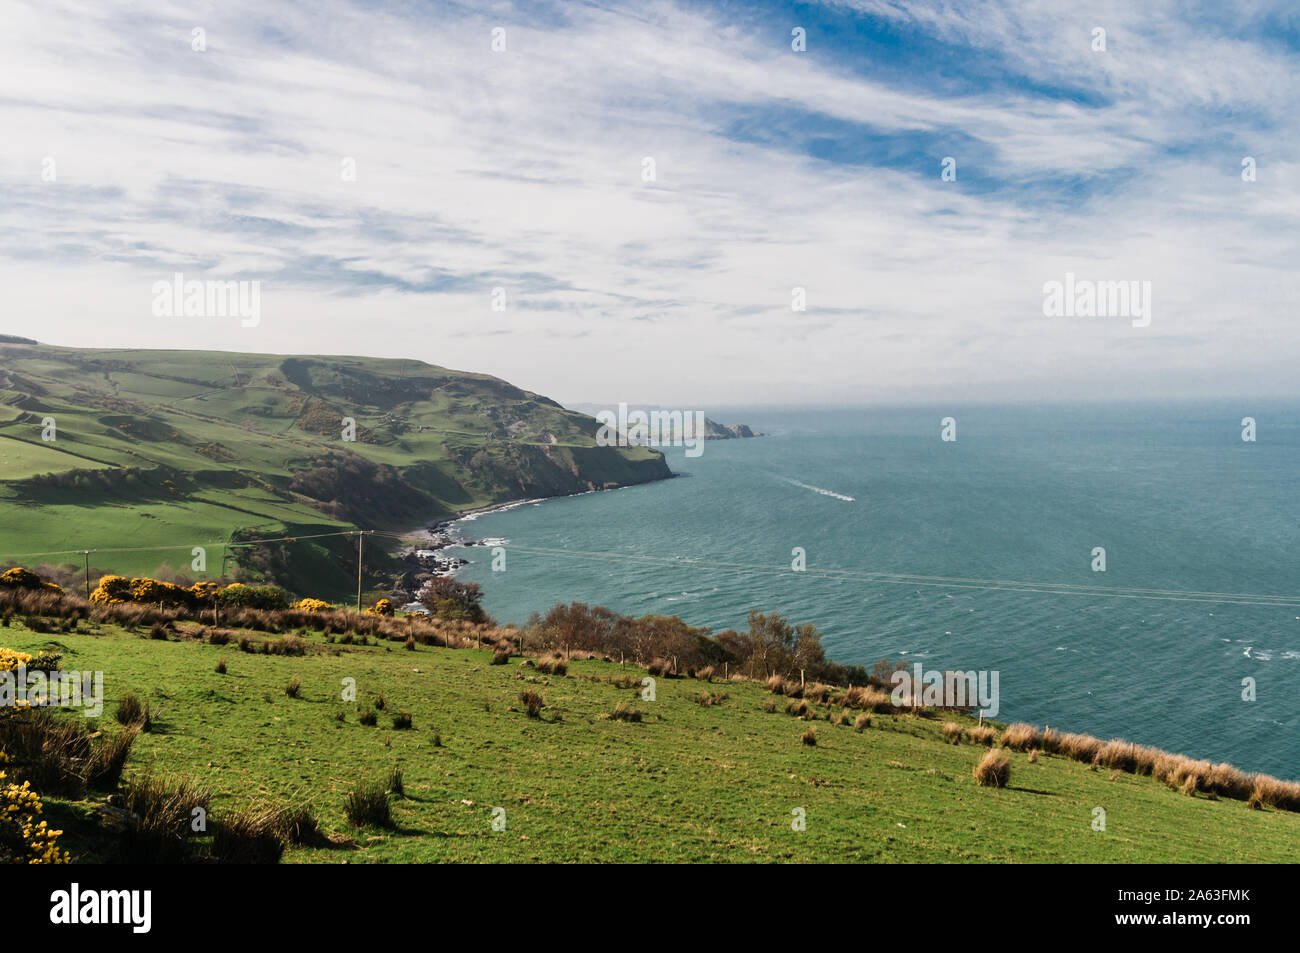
[688, 783]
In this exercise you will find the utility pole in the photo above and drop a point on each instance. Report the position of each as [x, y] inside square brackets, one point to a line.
[86, 553]
[359, 535]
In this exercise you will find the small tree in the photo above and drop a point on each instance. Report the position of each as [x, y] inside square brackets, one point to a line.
[449, 598]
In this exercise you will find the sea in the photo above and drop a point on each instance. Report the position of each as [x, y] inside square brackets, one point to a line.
[979, 553]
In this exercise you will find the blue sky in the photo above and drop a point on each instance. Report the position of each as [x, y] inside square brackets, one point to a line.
[522, 169]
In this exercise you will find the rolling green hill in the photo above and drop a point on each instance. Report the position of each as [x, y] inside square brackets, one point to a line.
[151, 453]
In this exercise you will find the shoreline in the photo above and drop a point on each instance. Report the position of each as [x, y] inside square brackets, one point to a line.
[421, 550]
[434, 533]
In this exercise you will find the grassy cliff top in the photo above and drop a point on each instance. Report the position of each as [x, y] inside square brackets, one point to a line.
[144, 449]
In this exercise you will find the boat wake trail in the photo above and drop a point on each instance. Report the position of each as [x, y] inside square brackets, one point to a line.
[817, 489]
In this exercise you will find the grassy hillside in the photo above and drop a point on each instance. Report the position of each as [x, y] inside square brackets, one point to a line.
[158, 451]
[686, 783]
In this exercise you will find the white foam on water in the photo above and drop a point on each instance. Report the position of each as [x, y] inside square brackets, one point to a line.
[817, 489]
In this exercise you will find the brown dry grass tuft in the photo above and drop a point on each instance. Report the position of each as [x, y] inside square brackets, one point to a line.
[994, 770]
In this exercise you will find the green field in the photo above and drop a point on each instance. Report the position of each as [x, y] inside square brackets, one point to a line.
[151, 453]
[688, 783]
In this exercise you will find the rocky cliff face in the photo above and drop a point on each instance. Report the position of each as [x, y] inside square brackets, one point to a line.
[717, 431]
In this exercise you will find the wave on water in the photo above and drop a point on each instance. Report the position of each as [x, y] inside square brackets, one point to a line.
[817, 489]
[491, 510]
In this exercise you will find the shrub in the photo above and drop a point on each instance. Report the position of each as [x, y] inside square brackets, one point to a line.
[158, 632]
[1021, 737]
[286, 645]
[368, 718]
[312, 605]
[952, 732]
[154, 592]
[298, 825]
[205, 593]
[112, 590]
[448, 598]
[533, 703]
[23, 838]
[660, 668]
[1269, 791]
[156, 816]
[221, 666]
[864, 697]
[401, 720]
[554, 665]
[1080, 747]
[239, 595]
[293, 688]
[1145, 759]
[383, 607]
[249, 837]
[817, 692]
[980, 735]
[132, 711]
[366, 805]
[394, 783]
[769, 705]
[500, 657]
[862, 721]
[20, 578]
[1227, 781]
[60, 756]
[108, 758]
[1118, 754]
[625, 712]
[410, 643]
[993, 771]
[809, 737]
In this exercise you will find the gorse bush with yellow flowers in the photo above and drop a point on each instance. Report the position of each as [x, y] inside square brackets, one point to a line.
[24, 838]
[153, 592]
[313, 605]
[382, 607]
[10, 659]
[114, 590]
[119, 590]
[20, 578]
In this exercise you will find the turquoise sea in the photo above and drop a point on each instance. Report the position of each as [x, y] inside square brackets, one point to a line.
[1023, 495]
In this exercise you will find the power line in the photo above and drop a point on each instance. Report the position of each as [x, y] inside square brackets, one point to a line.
[949, 582]
[226, 543]
[867, 576]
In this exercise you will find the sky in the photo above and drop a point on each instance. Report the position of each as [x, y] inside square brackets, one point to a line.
[503, 217]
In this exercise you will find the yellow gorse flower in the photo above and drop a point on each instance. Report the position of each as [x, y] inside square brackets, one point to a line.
[23, 838]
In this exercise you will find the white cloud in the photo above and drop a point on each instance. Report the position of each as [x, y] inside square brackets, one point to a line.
[522, 170]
